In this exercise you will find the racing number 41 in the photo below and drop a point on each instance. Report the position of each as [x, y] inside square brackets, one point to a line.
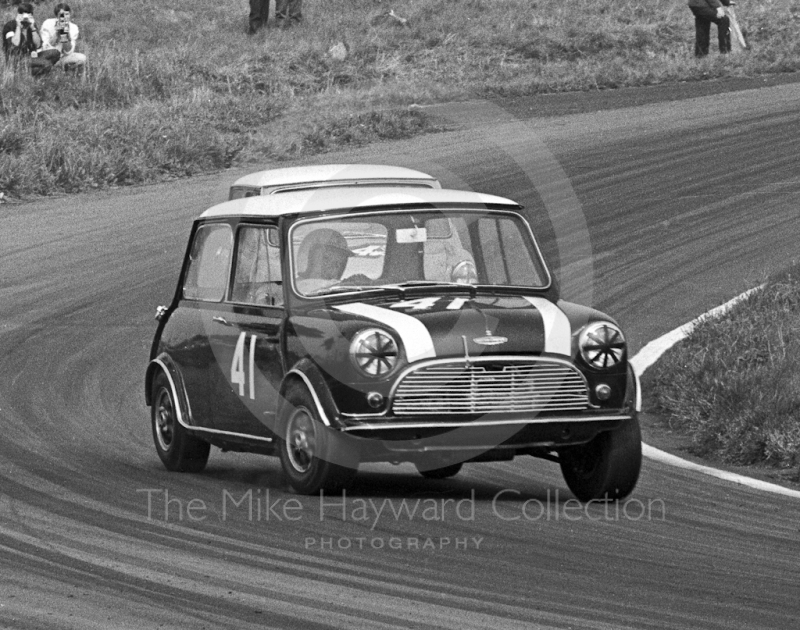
[238, 375]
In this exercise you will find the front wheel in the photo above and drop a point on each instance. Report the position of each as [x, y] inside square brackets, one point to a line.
[178, 449]
[307, 447]
[606, 467]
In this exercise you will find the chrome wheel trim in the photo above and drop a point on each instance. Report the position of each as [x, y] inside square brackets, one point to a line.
[301, 440]
[164, 421]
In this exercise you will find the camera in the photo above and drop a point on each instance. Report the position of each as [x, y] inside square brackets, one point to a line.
[62, 28]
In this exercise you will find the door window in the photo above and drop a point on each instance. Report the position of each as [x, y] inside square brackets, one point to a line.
[257, 277]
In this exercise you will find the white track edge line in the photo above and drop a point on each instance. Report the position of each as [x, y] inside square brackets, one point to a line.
[649, 354]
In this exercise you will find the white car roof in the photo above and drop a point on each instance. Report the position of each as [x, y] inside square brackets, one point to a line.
[310, 201]
[330, 173]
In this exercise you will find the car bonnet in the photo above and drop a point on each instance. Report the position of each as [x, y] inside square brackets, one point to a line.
[444, 326]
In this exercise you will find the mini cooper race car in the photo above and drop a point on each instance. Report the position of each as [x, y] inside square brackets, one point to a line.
[335, 327]
[294, 178]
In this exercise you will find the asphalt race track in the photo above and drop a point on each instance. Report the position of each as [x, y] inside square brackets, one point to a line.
[687, 203]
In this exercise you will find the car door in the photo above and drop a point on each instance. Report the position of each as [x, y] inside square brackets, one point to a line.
[247, 337]
[188, 338]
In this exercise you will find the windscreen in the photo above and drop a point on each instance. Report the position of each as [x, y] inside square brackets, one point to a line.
[361, 251]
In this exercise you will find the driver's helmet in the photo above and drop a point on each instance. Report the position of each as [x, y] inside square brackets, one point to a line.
[325, 253]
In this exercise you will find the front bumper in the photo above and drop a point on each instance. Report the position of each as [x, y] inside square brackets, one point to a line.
[508, 433]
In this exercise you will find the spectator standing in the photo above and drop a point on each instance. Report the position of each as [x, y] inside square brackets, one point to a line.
[288, 12]
[259, 14]
[59, 35]
[706, 12]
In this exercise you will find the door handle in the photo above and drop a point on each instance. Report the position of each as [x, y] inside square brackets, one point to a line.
[221, 320]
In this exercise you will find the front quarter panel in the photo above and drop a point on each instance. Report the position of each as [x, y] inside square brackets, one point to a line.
[322, 337]
[616, 377]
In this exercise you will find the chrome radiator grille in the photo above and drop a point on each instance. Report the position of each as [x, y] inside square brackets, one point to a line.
[454, 388]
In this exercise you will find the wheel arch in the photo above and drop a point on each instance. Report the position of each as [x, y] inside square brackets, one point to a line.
[633, 390]
[306, 374]
[164, 364]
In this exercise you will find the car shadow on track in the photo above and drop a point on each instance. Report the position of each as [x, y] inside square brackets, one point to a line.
[389, 483]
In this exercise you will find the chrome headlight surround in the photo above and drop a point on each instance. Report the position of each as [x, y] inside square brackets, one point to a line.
[602, 345]
[374, 352]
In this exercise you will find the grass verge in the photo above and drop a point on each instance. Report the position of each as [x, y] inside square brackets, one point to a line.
[732, 385]
[177, 88]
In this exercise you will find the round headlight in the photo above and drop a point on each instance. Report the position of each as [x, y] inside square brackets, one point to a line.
[602, 345]
[374, 352]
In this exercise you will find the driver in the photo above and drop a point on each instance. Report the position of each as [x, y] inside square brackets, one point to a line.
[327, 254]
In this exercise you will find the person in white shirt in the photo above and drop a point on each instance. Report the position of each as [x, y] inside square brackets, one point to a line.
[59, 35]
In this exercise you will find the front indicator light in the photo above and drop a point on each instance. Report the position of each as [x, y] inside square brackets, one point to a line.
[603, 392]
[374, 352]
[375, 400]
[602, 345]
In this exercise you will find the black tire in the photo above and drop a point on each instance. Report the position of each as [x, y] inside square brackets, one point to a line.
[308, 449]
[607, 468]
[445, 472]
[178, 449]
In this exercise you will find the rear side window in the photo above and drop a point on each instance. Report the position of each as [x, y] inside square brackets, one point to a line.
[209, 263]
[238, 192]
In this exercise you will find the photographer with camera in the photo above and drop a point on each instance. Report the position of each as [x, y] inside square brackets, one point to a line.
[20, 35]
[59, 35]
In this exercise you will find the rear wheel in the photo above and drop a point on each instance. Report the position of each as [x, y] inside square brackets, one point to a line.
[307, 447]
[445, 472]
[178, 449]
[607, 467]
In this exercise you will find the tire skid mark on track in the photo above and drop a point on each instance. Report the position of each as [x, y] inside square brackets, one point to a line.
[85, 543]
[190, 599]
[466, 602]
[264, 588]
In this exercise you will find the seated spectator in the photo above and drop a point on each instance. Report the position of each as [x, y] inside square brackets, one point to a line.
[21, 40]
[59, 35]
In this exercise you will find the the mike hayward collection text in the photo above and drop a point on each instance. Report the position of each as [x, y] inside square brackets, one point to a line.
[507, 505]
